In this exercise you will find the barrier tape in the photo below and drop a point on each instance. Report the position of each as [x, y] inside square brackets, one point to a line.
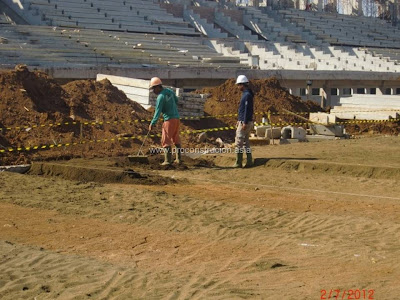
[336, 123]
[104, 122]
[94, 123]
[72, 123]
[43, 147]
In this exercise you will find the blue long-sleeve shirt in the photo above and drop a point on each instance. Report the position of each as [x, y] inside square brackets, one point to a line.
[245, 113]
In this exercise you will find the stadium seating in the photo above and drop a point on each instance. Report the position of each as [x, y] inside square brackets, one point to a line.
[204, 34]
[302, 44]
[43, 45]
[127, 15]
[387, 53]
[344, 30]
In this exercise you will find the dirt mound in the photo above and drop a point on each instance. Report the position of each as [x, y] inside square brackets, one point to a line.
[83, 118]
[268, 96]
[88, 97]
[29, 98]
[50, 114]
[390, 128]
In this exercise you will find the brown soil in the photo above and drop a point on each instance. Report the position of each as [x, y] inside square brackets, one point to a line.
[309, 218]
[268, 96]
[391, 128]
[32, 98]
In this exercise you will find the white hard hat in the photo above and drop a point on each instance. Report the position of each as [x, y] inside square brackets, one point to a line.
[242, 79]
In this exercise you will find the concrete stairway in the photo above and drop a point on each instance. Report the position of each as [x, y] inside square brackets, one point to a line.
[202, 25]
[269, 53]
[324, 43]
[267, 26]
[229, 48]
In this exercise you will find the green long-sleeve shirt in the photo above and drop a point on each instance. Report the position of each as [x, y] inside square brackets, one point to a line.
[166, 104]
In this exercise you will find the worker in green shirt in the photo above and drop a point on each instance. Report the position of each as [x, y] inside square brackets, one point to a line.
[166, 104]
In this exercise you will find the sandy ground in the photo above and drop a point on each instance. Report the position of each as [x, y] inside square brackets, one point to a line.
[308, 218]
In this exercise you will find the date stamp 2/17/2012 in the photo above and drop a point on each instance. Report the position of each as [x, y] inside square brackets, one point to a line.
[347, 294]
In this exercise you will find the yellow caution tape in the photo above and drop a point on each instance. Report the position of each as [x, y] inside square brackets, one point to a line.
[43, 147]
[336, 123]
[94, 123]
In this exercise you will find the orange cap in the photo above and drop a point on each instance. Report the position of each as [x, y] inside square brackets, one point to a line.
[154, 82]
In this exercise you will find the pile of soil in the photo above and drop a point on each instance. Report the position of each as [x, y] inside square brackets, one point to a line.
[269, 95]
[32, 98]
[32, 104]
[388, 128]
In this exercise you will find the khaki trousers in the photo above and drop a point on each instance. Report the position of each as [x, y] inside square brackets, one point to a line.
[242, 138]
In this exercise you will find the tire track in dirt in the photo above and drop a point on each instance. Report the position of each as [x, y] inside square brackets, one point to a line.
[28, 272]
[239, 233]
[194, 282]
[216, 283]
[233, 220]
[149, 268]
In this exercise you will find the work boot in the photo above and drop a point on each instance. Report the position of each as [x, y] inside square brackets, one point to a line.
[178, 158]
[249, 161]
[167, 156]
[239, 160]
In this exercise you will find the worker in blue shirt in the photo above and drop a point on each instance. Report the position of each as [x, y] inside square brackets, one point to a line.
[244, 123]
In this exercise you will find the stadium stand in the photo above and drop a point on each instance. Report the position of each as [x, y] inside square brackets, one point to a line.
[313, 32]
[44, 45]
[198, 41]
[127, 15]
[344, 30]
[252, 37]
[280, 40]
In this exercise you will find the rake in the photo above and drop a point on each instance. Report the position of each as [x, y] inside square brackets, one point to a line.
[140, 157]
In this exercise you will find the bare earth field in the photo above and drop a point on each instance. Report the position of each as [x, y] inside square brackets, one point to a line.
[309, 221]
